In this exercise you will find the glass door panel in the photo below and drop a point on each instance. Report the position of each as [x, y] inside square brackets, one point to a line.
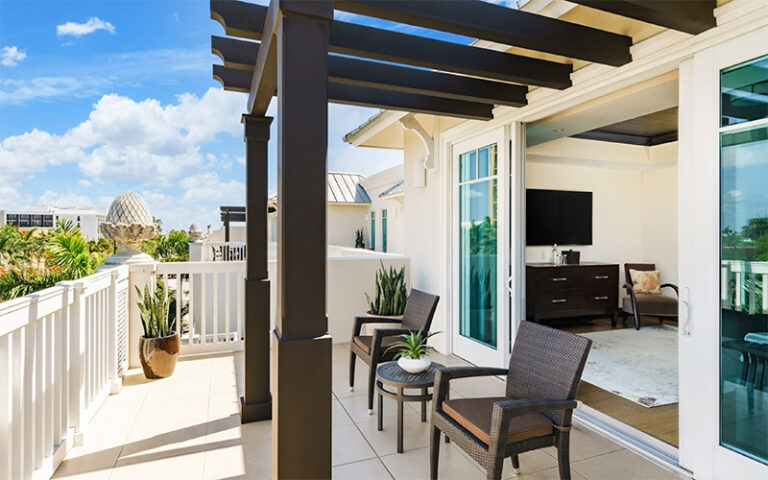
[478, 277]
[744, 259]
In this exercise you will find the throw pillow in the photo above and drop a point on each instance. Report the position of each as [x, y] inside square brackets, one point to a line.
[645, 281]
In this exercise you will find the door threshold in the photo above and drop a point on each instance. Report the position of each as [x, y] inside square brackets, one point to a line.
[650, 448]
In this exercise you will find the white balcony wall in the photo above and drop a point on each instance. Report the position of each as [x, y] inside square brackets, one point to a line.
[61, 352]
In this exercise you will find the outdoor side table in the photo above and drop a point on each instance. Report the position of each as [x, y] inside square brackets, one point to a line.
[391, 375]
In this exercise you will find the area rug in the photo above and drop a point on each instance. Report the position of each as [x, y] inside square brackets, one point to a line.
[638, 365]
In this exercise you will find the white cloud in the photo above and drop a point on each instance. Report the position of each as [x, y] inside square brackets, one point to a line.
[11, 56]
[127, 140]
[79, 29]
[68, 199]
[84, 183]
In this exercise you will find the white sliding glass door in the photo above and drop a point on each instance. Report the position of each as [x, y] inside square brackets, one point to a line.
[724, 260]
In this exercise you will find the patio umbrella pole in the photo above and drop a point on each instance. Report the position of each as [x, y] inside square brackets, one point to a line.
[256, 403]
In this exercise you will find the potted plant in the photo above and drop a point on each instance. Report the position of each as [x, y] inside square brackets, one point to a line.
[391, 293]
[359, 242]
[159, 346]
[412, 351]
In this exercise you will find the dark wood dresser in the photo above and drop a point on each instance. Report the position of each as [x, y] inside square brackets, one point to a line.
[561, 291]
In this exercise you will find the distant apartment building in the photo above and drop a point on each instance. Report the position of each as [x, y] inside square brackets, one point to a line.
[45, 217]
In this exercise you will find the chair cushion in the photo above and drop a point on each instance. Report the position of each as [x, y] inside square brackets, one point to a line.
[652, 304]
[365, 341]
[474, 414]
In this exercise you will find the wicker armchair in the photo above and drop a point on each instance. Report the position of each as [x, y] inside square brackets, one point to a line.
[419, 310]
[542, 381]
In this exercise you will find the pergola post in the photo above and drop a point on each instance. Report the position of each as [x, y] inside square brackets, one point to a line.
[256, 403]
[301, 426]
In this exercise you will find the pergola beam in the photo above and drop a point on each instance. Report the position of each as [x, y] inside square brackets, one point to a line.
[240, 80]
[368, 42]
[264, 80]
[487, 21]
[237, 53]
[690, 16]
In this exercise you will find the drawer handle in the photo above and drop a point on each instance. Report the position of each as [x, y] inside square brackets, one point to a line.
[558, 300]
[559, 279]
[601, 277]
[604, 297]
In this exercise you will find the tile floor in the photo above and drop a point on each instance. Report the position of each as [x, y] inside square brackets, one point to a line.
[187, 427]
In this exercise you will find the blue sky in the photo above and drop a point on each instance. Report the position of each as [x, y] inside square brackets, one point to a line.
[98, 97]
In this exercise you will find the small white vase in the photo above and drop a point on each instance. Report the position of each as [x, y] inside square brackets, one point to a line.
[414, 365]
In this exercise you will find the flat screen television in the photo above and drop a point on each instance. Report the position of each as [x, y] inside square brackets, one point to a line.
[558, 216]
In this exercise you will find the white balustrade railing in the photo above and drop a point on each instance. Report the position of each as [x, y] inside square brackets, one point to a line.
[212, 302]
[61, 351]
[744, 286]
[226, 251]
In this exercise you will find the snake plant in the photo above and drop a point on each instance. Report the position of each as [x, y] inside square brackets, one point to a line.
[153, 309]
[413, 345]
[391, 292]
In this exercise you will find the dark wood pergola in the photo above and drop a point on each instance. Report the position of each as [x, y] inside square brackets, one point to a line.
[229, 215]
[296, 50]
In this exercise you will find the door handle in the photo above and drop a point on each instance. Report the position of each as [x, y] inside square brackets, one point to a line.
[685, 306]
[509, 285]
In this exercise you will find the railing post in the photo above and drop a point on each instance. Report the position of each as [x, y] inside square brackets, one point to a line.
[6, 415]
[140, 274]
[76, 367]
[115, 382]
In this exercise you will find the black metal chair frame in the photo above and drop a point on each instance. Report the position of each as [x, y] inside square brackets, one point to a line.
[629, 287]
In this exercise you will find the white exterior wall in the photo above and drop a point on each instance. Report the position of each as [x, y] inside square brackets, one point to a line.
[89, 220]
[343, 221]
[375, 185]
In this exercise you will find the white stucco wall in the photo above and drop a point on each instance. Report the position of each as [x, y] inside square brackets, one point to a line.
[375, 185]
[343, 221]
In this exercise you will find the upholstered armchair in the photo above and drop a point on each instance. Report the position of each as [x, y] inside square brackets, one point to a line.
[542, 381]
[647, 304]
[372, 349]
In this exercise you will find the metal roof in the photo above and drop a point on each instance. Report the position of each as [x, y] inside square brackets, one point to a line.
[346, 188]
[394, 191]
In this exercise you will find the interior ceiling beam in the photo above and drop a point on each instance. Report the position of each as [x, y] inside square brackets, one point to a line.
[690, 16]
[241, 54]
[487, 21]
[368, 42]
[238, 80]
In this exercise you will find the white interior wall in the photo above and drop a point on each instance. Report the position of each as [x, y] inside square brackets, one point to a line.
[634, 210]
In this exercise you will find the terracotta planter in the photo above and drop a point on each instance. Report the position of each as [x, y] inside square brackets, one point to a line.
[158, 355]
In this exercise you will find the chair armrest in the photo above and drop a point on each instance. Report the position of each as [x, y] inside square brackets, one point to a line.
[505, 410]
[672, 286]
[366, 319]
[629, 287]
[378, 336]
[443, 376]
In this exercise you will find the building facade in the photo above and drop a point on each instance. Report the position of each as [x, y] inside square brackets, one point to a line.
[43, 218]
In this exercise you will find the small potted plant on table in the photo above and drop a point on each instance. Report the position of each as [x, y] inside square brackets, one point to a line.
[412, 351]
[159, 346]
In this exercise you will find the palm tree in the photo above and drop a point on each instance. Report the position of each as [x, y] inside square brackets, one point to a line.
[69, 252]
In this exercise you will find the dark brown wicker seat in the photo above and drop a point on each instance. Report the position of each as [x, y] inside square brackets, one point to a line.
[419, 310]
[647, 304]
[542, 380]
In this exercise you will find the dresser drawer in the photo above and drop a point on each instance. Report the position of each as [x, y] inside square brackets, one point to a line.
[556, 278]
[557, 301]
[605, 279]
[600, 299]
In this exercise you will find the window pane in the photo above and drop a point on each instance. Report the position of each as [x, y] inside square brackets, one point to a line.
[477, 254]
[468, 166]
[744, 291]
[744, 92]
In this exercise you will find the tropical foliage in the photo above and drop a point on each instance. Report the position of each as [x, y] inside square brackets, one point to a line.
[154, 305]
[413, 345]
[32, 260]
[173, 247]
[391, 292]
[359, 242]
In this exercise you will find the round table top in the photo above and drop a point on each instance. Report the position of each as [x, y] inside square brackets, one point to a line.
[391, 374]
